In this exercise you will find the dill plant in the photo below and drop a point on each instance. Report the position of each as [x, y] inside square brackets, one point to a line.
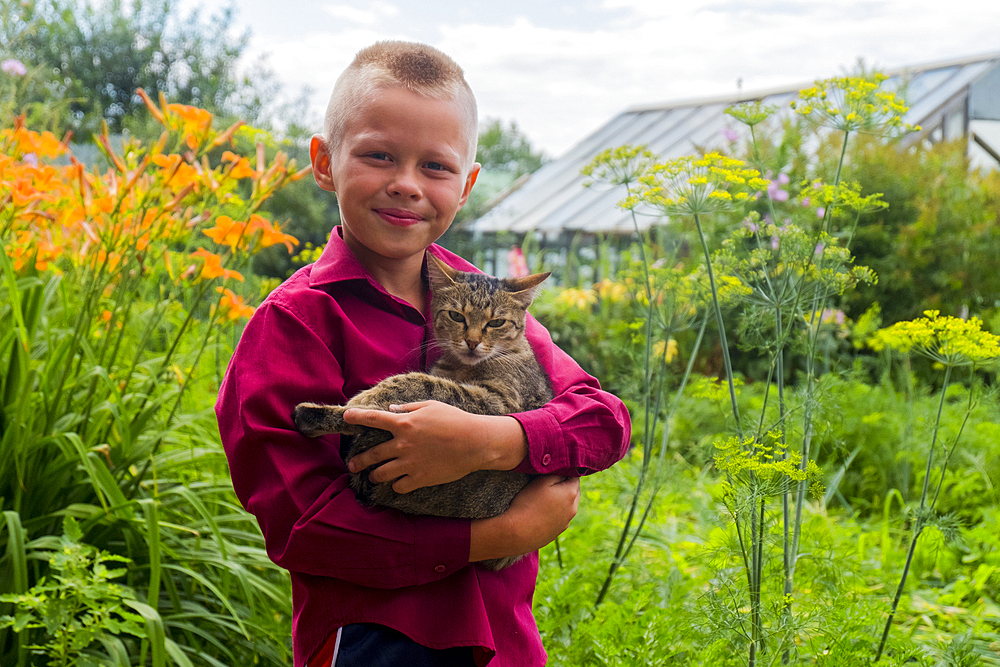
[952, 343]
[785, 258]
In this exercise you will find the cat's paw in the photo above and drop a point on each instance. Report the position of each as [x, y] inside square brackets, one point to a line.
[313, 420]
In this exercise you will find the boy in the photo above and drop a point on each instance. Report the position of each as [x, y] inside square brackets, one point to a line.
[375, 586]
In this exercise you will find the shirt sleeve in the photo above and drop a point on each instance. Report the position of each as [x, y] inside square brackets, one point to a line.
[297, 486]
[583, 429]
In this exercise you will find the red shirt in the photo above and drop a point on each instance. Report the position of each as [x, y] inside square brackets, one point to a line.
[327, 333]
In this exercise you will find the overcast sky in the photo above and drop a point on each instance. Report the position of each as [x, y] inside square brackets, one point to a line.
[561, 69]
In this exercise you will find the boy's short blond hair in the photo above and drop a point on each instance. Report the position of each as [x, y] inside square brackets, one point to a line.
[394, 64]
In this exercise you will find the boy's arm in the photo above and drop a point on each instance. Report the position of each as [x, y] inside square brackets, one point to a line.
[581, 430]
[297, 486]
[584, 429]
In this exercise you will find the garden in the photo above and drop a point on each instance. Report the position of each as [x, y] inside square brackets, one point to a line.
[806, 339]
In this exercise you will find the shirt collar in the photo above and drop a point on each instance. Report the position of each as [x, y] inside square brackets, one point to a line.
[337, 263]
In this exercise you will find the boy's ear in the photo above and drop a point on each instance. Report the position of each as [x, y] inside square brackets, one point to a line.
[322, 170]
[470, 180]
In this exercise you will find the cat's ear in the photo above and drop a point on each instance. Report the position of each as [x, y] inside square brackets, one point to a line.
[439, 273]
[525, 288]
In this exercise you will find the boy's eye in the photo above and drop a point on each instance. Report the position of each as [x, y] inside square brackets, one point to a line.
[379, 156]
[457, 317]
[436, 166]
[495, 323]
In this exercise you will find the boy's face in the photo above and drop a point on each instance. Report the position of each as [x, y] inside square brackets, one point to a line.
[401, 173]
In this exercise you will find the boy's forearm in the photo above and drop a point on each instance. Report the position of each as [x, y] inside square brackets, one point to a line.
[506, 443]
[492, 538]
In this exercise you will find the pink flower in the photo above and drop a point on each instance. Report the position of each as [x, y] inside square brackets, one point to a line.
[820, 212]
[730, 134]
[775, 242]
[13, 66]
[517, 266]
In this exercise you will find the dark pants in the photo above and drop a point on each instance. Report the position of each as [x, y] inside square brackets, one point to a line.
[370, 645]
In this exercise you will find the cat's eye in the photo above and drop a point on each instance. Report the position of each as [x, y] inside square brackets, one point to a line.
[495, 323]
[456, 317]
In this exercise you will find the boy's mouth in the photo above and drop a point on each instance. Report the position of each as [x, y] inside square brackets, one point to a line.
[398, 216]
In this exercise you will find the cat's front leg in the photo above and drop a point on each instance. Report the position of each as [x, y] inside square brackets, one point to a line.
[314, 420]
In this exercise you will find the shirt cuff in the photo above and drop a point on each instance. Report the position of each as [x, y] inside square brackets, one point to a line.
[444, 553]
[546, 444]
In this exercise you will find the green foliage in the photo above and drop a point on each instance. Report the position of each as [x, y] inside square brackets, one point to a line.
[678, 602]
[81, 606]
[506, 149]
[92, 56]
[112, 343]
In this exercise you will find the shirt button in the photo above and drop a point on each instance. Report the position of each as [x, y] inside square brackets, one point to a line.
[546, 460]
[440, 568]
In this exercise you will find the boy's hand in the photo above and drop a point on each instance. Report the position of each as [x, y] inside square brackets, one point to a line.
[435, 443]
[538, 515]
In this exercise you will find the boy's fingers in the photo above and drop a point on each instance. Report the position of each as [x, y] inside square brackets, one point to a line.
[373, 418]
[367, 459]
[408, 407]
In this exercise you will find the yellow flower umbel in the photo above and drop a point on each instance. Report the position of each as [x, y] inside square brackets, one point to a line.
[854, 104]
[767, 459]
[694, 185]
[619, 166]
[948, 340]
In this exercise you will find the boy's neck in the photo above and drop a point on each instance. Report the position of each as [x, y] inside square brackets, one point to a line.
[402, 278]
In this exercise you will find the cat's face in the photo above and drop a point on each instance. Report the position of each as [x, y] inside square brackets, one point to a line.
[476, 316]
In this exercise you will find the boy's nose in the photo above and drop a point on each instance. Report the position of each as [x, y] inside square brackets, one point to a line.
[404, 184]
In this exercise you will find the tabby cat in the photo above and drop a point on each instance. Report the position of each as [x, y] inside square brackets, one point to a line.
[486, 367]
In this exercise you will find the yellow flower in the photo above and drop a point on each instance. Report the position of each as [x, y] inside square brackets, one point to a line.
[619, 166]
[694, 185]
[853, 103]
[580, 299]
[766, 458]
[666, 349]
[950, 341]
[611, 290]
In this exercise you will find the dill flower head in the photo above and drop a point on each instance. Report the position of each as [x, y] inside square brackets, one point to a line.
[618, 166]
[949, 340]
[765, 457]
[751, 113]
[854, 103]
[694, 185]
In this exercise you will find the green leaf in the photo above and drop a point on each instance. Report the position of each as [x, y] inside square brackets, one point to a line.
[155, 631]
[71, 529]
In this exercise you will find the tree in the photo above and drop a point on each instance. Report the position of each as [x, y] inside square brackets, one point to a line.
[94, 55]
[506, 149]
[935, 247]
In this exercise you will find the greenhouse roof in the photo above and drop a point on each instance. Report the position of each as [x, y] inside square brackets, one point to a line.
[947, 99]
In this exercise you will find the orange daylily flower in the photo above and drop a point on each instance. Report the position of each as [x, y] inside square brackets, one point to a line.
[226, 231]
[196, 122]
[232, 306]
[212, 267]
[270, 235]
[241, 166]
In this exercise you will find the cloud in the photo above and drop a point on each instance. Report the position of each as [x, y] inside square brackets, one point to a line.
[562, 79]
[377, 11]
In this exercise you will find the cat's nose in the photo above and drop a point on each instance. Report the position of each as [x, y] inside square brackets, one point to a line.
[472, 344]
